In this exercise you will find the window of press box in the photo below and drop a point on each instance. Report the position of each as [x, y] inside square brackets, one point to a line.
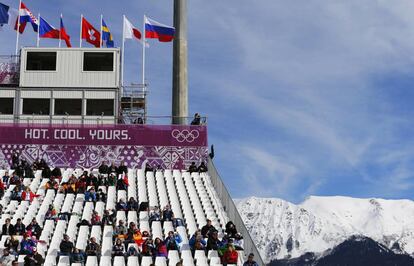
[68, 106]
[98, 61]
[36, 106]
[100, 107]
[41, 61]
[6, 106]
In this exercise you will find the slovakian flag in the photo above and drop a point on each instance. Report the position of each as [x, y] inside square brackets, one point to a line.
[156, 30]
[63, 34]
[130, 31]
[90, 34]
[107, 35]
[46, 30]
[26, 16]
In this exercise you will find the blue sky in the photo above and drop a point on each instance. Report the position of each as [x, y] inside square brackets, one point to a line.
[303, 97]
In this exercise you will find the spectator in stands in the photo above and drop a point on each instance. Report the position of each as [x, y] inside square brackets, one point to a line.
[122, 205]
[112, 168]
[197, 242]
[80, 185]
[213, 242]
[90, 195]
[238, 242]
[19, 227]
[108, 217]
[51, 213]
[92, 180]
[34, 229]
[93, 248]
[154, 215]
[196, 120]
[231, 230]
[15, 180]
[7, 258]
[77, 257]
[6, 178]
[46, 173]
[28, 195]
[122, 169]
[202, 168]
[2, 189]
[120, 230]
[167, 214]
[12, 244]
[173, 240]
[16, 194]
[160, 248]
[57, 173]
[193, 168]
[103, 169]
[230, 256]
[207, 229]
[51, 184]
[66, 247]
[148, 248]
[111, 180]
[7, 228]
[132, 204]
[122, 182]
[133, 235]
[34, 259]
[84, 222]
[100, 195]
[118, 249]
[250, 261]
[27, 245]
[95, 219]
[15, 160]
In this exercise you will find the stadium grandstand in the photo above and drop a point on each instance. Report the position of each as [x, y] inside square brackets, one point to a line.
[88, 178]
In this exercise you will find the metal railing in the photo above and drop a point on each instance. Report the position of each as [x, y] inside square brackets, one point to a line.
[9, 70]
[93, 120]
[232, 212]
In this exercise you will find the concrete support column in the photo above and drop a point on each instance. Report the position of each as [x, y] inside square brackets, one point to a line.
[180, 77]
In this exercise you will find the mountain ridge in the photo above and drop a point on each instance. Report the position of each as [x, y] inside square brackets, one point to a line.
[283, 230]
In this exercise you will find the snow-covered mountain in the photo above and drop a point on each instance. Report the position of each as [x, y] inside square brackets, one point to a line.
[285, 230]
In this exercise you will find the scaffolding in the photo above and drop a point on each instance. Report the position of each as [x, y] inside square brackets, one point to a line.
[133, 107]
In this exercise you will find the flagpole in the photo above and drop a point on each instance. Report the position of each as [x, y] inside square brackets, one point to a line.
[18, 31]
[38, 32]
[60, 30]
[80, 39]
[123, 54]
[143, 57]
[100, 40]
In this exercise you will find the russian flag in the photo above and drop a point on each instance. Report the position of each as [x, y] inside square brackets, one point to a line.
[26, 16]
[47, 31]
[156, 30]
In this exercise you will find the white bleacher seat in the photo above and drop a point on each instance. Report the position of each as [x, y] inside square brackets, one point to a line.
[156, 229]
[91, 261]
[133, 261]
[146, 261]
[187, 258]
[119, 261]
[215, 260]
[50, 260]
[105, 261]
[160, 261]
[173, 257]
[64, 260]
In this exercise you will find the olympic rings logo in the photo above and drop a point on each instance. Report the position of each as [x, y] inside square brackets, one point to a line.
[185, 135]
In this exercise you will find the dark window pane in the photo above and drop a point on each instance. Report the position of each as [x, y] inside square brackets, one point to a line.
[68, 106]
[6, 106]
[41, 61]
[99, 107]
[98, 61]
[36, 106]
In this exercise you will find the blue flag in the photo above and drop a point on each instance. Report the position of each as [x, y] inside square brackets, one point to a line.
[107, 36]
[4, 14]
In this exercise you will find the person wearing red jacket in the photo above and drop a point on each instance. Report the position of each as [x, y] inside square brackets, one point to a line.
[230, 256]
[29, 195]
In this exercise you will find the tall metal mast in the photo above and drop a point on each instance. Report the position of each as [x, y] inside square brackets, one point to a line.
[180, 75]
